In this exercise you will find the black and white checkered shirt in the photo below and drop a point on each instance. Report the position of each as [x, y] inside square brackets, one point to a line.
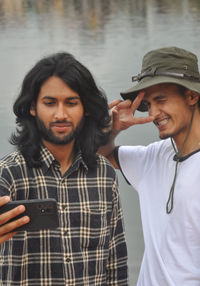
[88, 248]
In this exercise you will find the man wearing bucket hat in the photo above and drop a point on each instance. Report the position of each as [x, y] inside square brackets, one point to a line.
[165, 173]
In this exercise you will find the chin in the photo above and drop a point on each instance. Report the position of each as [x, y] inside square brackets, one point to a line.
[164, 136]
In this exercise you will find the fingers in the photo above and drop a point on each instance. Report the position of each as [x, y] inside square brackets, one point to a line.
[124, 104]
[123, 113]
[143, 120]
[114, 103]
[115, 120]
[5, 217]
[136, 103]
[11, 226]
[115, 114]
[7, 228]
[4, 200]
[6, 237]
[119, 104]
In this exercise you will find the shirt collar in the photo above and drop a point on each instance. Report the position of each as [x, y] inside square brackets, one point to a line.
[47, 159]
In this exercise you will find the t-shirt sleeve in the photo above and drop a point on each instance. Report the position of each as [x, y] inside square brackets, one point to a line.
[134, 162]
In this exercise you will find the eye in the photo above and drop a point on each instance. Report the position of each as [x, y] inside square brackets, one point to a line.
[49, 103]
[72, 102]
[162, 100]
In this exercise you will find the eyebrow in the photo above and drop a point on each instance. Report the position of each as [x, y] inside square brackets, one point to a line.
[157, 97]
[161, 96]
[68, 98]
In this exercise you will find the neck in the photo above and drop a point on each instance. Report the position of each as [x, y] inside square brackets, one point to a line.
[190, 146]
[64, 154]
[190, 141]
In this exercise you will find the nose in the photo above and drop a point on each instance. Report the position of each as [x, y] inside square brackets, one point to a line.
[154, 110]
[60, 112]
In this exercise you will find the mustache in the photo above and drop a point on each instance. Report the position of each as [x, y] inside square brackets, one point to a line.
[61, 122]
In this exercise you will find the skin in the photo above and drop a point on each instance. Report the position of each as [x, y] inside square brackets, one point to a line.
[7, 229]
[61, 111]
[172, 112]
[169, 110]
[122, 113]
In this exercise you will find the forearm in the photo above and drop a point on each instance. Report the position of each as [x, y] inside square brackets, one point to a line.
[107, 149]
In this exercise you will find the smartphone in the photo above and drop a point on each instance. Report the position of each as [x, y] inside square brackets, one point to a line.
[43, 213]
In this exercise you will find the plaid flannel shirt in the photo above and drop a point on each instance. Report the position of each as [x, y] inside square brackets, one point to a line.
[89, 246]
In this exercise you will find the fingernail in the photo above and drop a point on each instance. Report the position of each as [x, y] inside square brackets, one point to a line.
[6, 199]
[21, 208]
[25, 219]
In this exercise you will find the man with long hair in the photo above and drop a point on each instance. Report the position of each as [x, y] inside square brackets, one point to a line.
[62, 118]
[165, 173]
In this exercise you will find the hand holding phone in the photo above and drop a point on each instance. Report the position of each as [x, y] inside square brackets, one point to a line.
[42, 213]
[7, 228]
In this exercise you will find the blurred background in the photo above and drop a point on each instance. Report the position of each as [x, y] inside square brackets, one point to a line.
[110, 37]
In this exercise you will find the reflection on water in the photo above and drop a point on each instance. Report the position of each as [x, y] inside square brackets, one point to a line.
[110, 37]
[92, 15]
[97, 8]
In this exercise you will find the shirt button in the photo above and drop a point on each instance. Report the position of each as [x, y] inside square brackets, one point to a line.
[68, 259]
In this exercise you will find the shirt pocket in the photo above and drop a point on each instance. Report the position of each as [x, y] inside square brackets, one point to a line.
[95, 227]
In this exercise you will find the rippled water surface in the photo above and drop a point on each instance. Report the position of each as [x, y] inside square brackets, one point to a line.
[110, 38]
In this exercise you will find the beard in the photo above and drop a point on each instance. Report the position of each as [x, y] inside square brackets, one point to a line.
[48, 135]
[171, 135]
[165, 136]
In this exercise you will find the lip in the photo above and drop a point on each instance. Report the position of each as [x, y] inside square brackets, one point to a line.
[161, 123]
[61, 127]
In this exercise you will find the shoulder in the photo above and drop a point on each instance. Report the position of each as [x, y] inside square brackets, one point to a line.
[155, 147]
[134, 158]
[104, 162]
[162, 147]
[10, 169]
[12, 160]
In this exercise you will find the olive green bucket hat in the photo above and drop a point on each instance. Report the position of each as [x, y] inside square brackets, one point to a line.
[166, 65]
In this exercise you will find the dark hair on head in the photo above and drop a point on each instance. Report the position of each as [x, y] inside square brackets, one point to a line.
[78, 78]
[182, 90]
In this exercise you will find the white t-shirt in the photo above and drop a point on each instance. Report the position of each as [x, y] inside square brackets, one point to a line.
[172, 241]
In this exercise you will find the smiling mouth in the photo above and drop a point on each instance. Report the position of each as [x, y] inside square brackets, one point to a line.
[161, 123]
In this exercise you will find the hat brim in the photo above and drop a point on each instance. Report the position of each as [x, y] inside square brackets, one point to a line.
[146, 82]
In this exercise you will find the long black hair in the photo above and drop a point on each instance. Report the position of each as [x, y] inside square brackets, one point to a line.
[78, 78]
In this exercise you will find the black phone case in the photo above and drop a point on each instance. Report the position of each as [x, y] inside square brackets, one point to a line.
[43, 213]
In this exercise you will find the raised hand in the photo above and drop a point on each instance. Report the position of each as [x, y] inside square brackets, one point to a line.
[123, 113]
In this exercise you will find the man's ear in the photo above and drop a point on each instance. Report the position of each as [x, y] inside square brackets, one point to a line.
[32, 109]
[192, 97]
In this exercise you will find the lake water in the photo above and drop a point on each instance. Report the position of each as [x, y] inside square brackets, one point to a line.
[110, 38]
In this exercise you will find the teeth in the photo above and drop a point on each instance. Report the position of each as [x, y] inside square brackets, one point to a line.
[162, 122]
